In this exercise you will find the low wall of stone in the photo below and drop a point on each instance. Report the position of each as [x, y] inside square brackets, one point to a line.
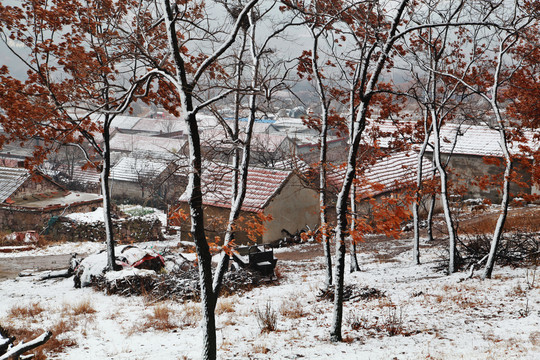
[14, 218]
[130, 230]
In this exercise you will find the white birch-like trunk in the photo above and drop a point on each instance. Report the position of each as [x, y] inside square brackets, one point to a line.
[429, 220]
[243, 170]
[444, 195]
[418, 199]
[356, 130]
[353, 265]
[497, 233]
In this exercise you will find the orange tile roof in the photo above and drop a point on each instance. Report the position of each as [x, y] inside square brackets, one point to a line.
[262, 185]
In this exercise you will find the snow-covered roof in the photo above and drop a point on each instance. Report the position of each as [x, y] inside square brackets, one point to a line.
[267, 142]
[476, 140]
[262, 186]
[132, 142]
[10, 180]
[386, 132]
[122, 122]
[134, 169]
[159, 125]
[390, 173]
[90, 175]
[66, 199]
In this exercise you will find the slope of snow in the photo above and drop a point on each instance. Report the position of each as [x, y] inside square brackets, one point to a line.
[442, 317]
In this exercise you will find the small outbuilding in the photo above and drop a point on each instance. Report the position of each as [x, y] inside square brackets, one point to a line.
[28, 201]
[278, 194]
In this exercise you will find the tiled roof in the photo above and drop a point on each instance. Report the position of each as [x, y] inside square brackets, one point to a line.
[475, 140]
[262, 185]
[90, 175]
[134, 169]
[159, 125]
[7, 162]
[120, 121]
[131, 142]
[387, 132]
[10, 180]
[392, 172]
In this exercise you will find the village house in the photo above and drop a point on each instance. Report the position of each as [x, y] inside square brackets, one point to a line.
[29, 201]
[147, 176]
[279, 194]
[127, 143]
[469, 146]
[74, 176]
[390, 176]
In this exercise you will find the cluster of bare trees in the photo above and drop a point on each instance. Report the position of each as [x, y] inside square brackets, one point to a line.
[190, 55]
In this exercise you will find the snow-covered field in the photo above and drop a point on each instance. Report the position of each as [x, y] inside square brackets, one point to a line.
[434, 316]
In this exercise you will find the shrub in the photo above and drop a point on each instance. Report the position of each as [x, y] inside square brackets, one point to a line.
[267, 318]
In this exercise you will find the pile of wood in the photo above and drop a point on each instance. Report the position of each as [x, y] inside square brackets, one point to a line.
[180, 284]
[515, 248]
[351, 293]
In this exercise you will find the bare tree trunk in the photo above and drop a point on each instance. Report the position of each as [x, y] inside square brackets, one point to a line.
[341, 229]
[497, 233]
[452, 266]
[323, 143]
[107, 208]
[418, 194]
[322, 202]
[353, 266]
[239, 175]
[357, 128]
[208, 299]
[500, 221]
[429, 219]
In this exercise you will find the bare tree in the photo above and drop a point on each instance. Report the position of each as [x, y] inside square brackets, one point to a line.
[184, 74]
[488, 71]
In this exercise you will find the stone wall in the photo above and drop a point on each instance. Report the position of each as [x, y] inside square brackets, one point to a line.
[467, 168]
[36, 186]
[14, 218]
[131, 230]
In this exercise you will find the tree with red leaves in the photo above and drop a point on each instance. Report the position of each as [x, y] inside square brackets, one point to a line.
[81, 74]
[501, 56]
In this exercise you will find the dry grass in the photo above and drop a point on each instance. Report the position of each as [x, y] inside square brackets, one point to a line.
[260, 349]
[47, 240]
[521, 219]
[225, 344]
[27, 312]
[292, 309]
[84, 307]
[224, 306]
[534, 338]
[390, 322]
[161, 318]
[191, 314]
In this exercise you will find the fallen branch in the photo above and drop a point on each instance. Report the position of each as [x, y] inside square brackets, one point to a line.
[477, 264]
[4, 343]
[57, 274]
[16, 351]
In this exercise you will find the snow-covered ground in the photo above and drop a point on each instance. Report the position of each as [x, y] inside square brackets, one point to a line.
[435, 316]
